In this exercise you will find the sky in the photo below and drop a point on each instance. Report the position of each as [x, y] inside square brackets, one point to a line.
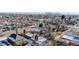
[39, 6]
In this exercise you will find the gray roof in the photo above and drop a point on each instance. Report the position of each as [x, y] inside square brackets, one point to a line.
[38, 29]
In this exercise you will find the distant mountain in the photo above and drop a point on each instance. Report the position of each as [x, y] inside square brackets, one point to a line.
[39, 13]
[61, 13]
[53, 14]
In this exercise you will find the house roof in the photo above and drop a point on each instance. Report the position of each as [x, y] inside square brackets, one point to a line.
[67, 37]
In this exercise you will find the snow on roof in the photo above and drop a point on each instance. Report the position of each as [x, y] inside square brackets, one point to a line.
[29, 34]
[67, 37]
[3, 38]
[41, 40]
[37, 29]
[70, 34]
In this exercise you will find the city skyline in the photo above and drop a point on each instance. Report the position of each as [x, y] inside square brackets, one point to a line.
[59, 13]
